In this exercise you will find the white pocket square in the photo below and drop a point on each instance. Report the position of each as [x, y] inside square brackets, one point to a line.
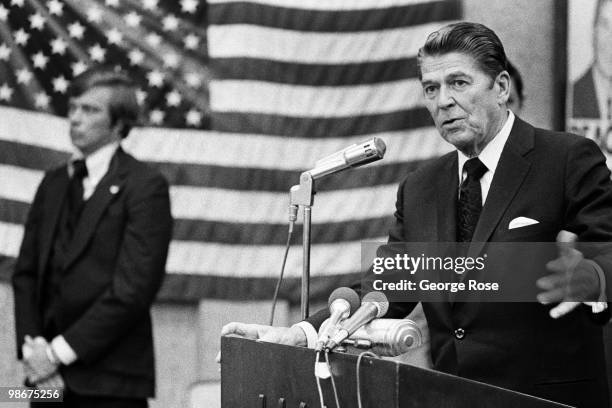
[522, 222]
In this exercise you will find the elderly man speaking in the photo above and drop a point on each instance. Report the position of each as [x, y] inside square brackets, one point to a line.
[503, 170]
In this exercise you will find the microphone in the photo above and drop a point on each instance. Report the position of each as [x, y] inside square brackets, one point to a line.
[387, 337]
[341, 303]
[373, 305]
[352, 156]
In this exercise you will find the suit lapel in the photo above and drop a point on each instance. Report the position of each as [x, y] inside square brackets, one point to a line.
[94, 208]
[509, 175]
[57, 188]
[446, 199]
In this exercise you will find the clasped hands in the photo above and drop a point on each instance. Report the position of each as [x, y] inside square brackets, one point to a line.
[574, 279]
[38, 365]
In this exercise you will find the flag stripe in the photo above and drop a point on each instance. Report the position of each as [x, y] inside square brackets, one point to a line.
[308, 101]
[203, 147]
[249, 179]
[423, 147]
[406, 151]
[30, 157]
[240, 207]
[276, 234]
[34, 128]
[15, 212]
[11, 236]
[195, 287]
[192, 288]
[332, 20]
[227, 205]
[197, 257]
[322, 5]
[408, 155]
[322, 127]
[243, 40]
[259, 151]
[19, 183]
[314, 74]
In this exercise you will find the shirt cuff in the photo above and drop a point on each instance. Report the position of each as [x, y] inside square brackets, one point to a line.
[601, 304]
[63, 351]
[26, 351]
[311, 333]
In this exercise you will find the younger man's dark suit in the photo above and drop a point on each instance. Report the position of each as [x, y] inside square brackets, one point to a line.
[562, 181]
[98, 297]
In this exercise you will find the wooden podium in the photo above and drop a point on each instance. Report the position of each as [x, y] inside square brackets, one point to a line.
[264, 375]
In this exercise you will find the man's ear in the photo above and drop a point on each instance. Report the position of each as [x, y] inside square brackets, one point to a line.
[502, 85]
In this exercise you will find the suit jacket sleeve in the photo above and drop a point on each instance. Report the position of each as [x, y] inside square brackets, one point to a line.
[398, 310]
[25, 275]
[589, 210]
[138, 275]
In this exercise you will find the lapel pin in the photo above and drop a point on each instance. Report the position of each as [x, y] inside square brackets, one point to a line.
[114, 189]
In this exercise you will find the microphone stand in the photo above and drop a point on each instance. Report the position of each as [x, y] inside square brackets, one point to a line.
[302, 196]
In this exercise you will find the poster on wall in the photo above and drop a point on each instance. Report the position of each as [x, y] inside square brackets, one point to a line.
[589, 99]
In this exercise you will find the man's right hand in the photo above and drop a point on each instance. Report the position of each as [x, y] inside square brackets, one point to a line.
[38, 365]
[292, 336]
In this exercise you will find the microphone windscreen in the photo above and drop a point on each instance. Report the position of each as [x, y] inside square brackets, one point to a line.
[347, 294]
[380, 299]
[380, 146]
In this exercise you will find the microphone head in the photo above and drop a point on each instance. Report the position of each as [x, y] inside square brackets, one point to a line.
[381, 147]
[380, 300]
[347, 294]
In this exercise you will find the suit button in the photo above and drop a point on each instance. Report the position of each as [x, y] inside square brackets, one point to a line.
[459, 333]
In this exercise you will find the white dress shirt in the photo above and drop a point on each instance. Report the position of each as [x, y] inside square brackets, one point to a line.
[97, 166]
[489, 157]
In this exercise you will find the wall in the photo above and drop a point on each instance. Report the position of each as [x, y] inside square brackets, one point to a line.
[10, 372]
[526, 28]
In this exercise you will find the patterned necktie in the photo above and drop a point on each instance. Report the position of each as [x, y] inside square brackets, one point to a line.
[470, 200]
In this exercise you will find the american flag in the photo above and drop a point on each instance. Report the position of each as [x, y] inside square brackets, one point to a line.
[241, 97]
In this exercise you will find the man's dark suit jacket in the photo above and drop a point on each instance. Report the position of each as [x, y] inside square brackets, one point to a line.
[562, 181]
[114, 267]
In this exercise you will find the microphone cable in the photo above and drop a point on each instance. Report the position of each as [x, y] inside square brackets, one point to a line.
[365, 353]
[331, 374]
[319, 388]
[293, 210]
